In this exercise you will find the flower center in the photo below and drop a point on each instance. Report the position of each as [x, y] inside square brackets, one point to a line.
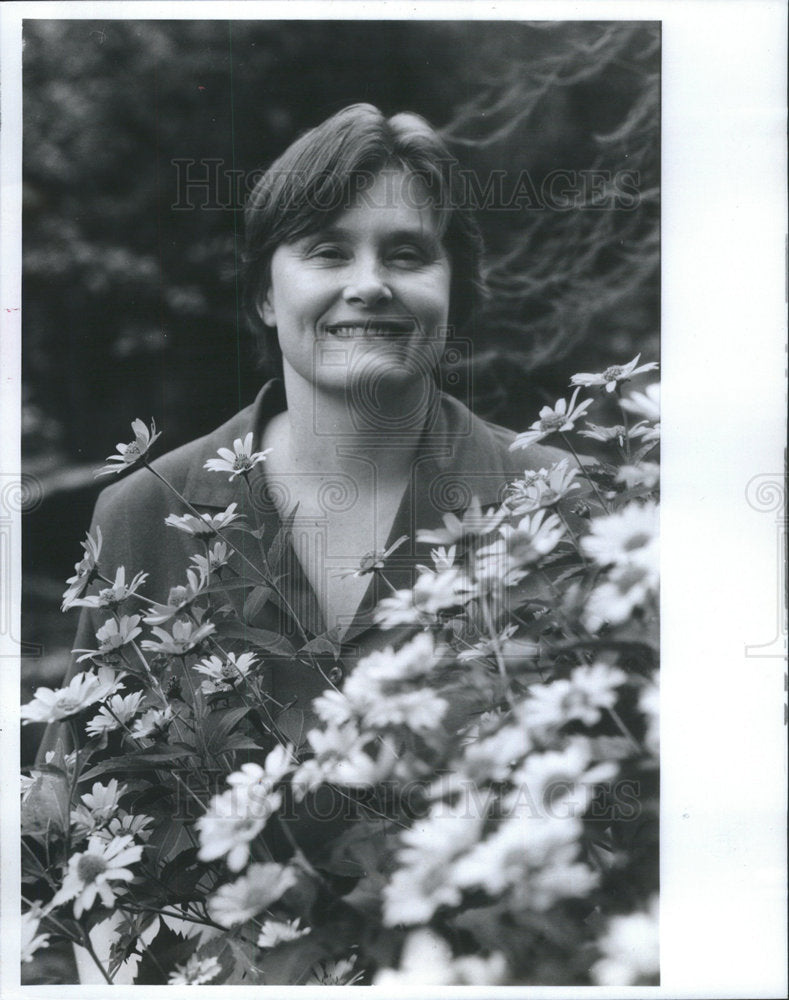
[89, 867]
[612, 373]
[637, 541]
[133, 452]
[177, 596]
[552, 422]
[229, 671]
[241, 463]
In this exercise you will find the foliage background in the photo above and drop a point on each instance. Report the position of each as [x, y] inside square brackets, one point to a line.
[131, 307]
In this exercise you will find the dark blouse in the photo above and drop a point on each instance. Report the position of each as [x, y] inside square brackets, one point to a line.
[458, 457]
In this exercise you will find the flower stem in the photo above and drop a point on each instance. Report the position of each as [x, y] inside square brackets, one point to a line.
[87, 944]
[586, 475]
[267, 579]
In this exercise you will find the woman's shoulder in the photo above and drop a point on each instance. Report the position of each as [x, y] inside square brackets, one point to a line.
[488, 445]
[183, 468]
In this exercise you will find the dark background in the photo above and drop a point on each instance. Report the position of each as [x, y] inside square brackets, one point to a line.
[131, 307]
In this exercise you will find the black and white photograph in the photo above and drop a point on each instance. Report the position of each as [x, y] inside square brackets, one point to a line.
[344, 590]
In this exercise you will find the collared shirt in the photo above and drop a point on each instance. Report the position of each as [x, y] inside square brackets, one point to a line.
[458, 457]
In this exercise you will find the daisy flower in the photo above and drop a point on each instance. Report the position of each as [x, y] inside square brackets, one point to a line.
[597, 433]
[335, 973]
[542, 489]
[229, 825]
[274, 932]
[153, 724]
[641, 474]
[372, 561]
[31, 939]
[433, 592]
[86, 570]
[553, 420]
[614, 376]
[630, 950]
[84, 689]
[101, 803]
[113, 634]
[235, 817]
[125, 823]
[195, 972]
[443, 558]
[644, 404]
[505, 559]
[239, 901]
[216, 558]
[90, 873]
[184, 636]
[427, 960]
[119, 710]
[222, 674]
[649, 703]
[422, 883]
[473, 524]
[588, 690]
[206, 525]
[628, 587]
[115, 594]
[628, 536]
[128, 454]
[238, 462]
[178, 599]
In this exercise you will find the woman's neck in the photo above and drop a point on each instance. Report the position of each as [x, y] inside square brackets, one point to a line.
[332, 429]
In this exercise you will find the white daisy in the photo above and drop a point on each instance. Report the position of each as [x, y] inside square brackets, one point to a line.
[31, 940]
[206, 525]
[83, 690]
[195, 972]
[91, 872]
[614, 376]
[274, 932]
[118, 711]
[239, 901]
[238, 462]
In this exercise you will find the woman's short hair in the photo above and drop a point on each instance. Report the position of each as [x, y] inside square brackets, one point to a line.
[319, 176]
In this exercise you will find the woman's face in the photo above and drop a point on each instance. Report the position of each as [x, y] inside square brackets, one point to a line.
[368, 295]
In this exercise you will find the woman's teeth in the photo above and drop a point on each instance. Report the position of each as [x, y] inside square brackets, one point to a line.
[348, 331]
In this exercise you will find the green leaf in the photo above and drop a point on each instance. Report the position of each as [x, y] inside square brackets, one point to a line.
[295, 723]
[281, 541]
[135, 762]
[236, 741]
[46, 806]
[256, 601]
[271, 642]
[220, 724]
[160, 958]
[366, 896]
[328, 642]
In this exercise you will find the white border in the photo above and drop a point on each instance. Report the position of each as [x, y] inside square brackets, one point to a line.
[723, 928]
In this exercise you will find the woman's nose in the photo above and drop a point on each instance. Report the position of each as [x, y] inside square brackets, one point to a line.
[366, 287]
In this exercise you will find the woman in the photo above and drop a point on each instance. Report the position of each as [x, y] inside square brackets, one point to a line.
[362, 261]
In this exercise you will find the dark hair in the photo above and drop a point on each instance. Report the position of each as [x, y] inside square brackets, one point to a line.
[320, 175]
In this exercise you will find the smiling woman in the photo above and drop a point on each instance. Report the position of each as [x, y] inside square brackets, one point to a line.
[352, 603]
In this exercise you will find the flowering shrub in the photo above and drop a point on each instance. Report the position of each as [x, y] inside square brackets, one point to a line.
[496, 773]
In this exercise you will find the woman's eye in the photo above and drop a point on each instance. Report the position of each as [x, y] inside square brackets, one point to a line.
[411, 256]
[327, 252]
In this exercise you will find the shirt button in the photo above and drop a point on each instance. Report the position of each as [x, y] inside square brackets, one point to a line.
[335, 675]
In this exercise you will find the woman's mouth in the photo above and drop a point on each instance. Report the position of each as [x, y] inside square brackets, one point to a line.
[372, 327]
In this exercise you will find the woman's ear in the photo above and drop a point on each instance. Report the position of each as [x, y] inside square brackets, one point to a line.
[266, 309]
